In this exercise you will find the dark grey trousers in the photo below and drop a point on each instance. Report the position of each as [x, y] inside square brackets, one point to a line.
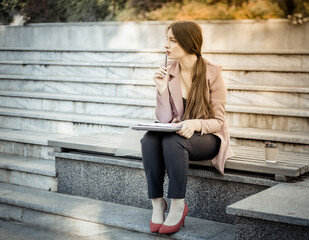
[171, 152]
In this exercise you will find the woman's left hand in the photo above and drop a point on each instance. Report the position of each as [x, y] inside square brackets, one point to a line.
[188, 127]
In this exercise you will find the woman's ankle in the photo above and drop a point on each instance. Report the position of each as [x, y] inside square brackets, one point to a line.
[158, 209]
[176, 212]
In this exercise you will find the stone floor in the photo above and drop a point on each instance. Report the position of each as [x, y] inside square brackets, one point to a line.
[18, 231]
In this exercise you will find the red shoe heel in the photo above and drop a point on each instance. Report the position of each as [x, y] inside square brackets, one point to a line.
[155, 227]
[175, 228]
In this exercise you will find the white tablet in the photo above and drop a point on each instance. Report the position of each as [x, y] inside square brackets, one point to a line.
[159, 127]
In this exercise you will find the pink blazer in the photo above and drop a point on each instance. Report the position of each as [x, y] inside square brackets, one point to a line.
[170, 105]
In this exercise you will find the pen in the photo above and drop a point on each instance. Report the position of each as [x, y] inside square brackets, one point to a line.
[165, 60]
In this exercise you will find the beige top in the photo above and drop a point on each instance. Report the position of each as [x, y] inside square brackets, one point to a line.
[170, 106]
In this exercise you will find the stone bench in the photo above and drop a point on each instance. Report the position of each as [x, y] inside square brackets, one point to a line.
[248, 159]
[280, 212]
[90, 166]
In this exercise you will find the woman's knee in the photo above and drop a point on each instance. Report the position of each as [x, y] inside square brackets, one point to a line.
[173, 141]
[150, 140]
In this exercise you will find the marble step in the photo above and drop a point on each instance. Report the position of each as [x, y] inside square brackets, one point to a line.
[79, 85]
[27, 143]
[81, 104]
[67, 84]
[288, 79]
[77, 124]
[84, 216]
[132, 88]
[80, 69]
[126, 70]
[289, 119]
[273, 118]
[29, 172]
[239, 58]
[40, 100]
[293, 98]
[63, 123]
[256, 137]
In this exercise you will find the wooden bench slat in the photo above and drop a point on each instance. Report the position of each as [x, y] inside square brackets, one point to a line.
[253, 159]
[302, 168]
[256, 167]
[262, 151]
[280, 158]
[250, 159]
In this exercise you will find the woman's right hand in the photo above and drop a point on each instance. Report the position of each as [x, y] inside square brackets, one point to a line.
[160, 78]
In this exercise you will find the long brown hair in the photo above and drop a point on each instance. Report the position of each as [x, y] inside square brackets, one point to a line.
[189, 36]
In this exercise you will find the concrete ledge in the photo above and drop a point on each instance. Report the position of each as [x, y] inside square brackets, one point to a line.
[237, 34]
[285, 203]
[216, 51]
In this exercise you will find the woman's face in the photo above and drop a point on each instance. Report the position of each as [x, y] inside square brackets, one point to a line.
[173, 49]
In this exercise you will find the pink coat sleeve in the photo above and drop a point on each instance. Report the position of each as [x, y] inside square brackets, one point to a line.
[164, 112]
[217, 100]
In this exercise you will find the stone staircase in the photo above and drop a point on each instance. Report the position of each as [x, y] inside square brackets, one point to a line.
[49, 94]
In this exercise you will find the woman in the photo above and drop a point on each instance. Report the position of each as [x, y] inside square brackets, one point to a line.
[190, 91]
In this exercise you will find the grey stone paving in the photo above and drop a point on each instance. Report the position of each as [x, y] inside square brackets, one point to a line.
[10, 230]
[30, 203]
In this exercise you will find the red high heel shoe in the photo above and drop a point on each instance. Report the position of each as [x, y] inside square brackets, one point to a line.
[175, 228]
[154, 227]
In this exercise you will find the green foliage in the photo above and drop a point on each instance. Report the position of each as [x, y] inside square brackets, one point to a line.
[199, 10]
[8, 8]
[35, 11]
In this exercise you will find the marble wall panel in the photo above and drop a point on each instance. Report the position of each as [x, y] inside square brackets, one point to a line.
[54, 70]
[267, 78]
[130, 73]
[257, 60]
[143, 92]
[10, 212]
[67, 106]
[22, 103]
[27, 150]
[4, 175]
[271, 99]
[33, 180]
[100, 89]
[106, 109]
[285, 123]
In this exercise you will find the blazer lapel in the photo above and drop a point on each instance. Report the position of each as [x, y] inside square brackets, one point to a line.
[175, 91]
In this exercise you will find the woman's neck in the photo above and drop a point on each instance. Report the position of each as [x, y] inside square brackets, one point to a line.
[187, 63]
